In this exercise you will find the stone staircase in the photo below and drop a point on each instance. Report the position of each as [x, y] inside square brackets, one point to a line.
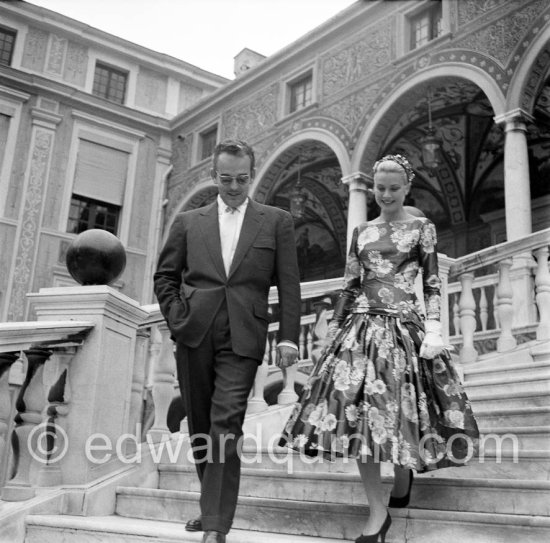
[503, 496]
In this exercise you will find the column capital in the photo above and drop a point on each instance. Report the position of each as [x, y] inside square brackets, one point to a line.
[358, 181]
[515, 119]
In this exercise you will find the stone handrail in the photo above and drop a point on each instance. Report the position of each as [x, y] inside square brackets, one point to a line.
[499, 252]
[20, 336]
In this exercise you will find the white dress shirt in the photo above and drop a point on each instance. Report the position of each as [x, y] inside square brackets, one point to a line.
[231, 222]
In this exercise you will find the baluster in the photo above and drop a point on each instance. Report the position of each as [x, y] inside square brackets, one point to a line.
[163, 387]
[506, 340]
[495, 308]
[456, 314]
[273, 349]
[138, 381]
[288, 394]
[483, 308]
[55, 383]
[467, 306]
[256, 402]
[309, 342]
[30, 403]
[542, 289]
[302, 341]
[6, 360]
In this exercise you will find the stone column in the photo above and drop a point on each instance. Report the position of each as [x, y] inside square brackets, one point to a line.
[358, 184]
[517, 198]
[517, 192]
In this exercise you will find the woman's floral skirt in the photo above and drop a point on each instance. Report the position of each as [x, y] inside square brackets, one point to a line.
[370, 394]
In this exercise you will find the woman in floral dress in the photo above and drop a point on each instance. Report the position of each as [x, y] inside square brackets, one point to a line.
[384, 389]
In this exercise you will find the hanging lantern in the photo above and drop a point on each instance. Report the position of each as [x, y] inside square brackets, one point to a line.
[431, 144]
[298, 200]
[298, 196]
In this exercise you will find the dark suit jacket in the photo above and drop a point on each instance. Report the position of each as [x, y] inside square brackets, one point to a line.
[191, 283]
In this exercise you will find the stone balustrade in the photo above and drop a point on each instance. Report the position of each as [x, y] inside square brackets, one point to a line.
[487, 306]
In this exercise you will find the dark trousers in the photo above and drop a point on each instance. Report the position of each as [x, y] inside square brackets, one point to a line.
[215, 384]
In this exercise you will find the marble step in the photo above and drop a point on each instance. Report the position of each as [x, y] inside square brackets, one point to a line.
[412, 526]
[513, 417]
[430, 491]
[538, 371]
[343, 521]
[507, 464]
[532, 383]
[116, 529]
[508, 397]
[510, 438]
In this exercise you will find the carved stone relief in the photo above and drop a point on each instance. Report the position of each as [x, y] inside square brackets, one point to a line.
[30, 223]
[56, 56]
[362, 58]
[248, 119]
[499, 39]
[34, 54]
[468, 10]
[76, 64]
[350, 110]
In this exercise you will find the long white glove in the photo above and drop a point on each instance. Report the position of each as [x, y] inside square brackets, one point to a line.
[433, 340]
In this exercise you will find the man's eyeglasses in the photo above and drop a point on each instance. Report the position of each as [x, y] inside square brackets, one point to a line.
[226, 179]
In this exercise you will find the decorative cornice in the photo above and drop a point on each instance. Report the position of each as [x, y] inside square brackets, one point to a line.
[13, 94]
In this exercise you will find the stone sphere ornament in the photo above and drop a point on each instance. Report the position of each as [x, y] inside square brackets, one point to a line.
[95, 257]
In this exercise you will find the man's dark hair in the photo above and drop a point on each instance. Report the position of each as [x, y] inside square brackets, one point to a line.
[233, 147]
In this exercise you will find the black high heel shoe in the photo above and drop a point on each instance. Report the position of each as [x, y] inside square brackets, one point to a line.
[403, 501]
[373, 538]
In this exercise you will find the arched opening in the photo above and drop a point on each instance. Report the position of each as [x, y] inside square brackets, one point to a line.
[311, 167]
[468, 180]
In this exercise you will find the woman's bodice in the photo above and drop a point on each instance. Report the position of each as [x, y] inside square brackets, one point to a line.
[383, 263]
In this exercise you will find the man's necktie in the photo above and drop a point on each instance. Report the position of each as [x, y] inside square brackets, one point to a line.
[229, 222]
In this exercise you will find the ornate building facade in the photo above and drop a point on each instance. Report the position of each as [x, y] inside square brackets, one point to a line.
[85, 141]
[391, 76]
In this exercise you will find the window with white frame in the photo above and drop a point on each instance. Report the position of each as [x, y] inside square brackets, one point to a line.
[110, 83]
[426, 25]
[208, 140]
[7, 44]
[98, 189]
[301, 93]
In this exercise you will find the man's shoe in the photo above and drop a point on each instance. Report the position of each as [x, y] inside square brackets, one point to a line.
[194, 525]
[212, 536]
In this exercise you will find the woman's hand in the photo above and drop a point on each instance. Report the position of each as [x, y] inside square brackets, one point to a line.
[433, 344]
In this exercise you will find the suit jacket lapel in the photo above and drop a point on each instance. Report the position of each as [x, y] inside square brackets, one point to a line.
[252, 222]
[210, 229]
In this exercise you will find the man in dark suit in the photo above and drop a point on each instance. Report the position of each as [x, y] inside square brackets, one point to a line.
[212, 283]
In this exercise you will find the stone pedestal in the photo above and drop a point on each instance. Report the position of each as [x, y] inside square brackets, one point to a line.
[99, 380]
